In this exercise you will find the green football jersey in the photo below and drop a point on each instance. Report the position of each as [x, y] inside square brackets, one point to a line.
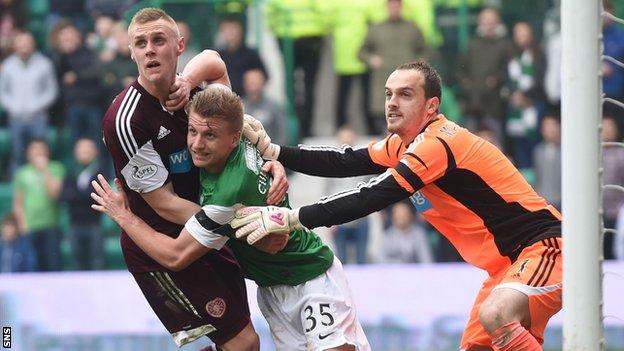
[243, 182]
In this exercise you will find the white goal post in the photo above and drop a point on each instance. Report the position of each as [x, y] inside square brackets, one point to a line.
[581, 108]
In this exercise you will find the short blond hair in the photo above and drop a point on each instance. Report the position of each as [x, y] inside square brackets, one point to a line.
[151, 14]
[220, 103]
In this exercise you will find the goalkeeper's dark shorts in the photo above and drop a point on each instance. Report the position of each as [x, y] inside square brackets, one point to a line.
[203, 299]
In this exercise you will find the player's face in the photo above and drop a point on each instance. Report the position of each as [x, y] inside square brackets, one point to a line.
[407, 109]
[155, 47]
[210, 142]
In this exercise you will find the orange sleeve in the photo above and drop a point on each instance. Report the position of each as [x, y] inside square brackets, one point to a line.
[427, 158]
[387, 151]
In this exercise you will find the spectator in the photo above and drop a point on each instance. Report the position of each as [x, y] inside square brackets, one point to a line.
[352, 235]
[237, 56]
[348, 25]
[111, 8]
[547, 161]
[120, 71]
[525, 71]
[37, 186]
[552, 78]
[522, 128]
[264, 109]
[101, 40]
[27, 89]
[68, 10]
[12, 18]
[482, 74]
[16, 251]
[387, 45]
[527, 65]
[303, 22]
[190, 51]
[80, 76]
[613, 173]
[405, 241]
[86, 237]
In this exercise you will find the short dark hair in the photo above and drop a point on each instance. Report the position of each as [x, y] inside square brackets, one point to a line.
[433, 82]
[218, 102]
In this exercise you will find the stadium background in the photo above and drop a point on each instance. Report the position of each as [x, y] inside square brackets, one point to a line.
[447, 38]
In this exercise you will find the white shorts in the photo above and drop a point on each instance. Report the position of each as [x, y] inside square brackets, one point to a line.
[316, 315]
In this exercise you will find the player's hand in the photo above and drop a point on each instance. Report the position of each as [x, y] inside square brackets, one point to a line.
[254, 131]
[254, 223]
[179, 94]
[273, 243]
[279, 186]
[114, 204]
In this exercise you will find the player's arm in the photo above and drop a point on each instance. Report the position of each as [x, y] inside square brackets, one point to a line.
[339, 208]
[377, 194]
[207, 66]
[326, 161]
[172, 253]
[423, 163]
[169, 205]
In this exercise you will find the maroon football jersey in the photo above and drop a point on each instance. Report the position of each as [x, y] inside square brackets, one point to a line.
[148, 147]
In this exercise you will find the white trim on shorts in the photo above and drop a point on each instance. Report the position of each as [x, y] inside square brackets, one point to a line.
[184, 337]
[529, 290]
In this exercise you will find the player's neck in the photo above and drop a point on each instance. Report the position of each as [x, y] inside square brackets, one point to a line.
[159, 90]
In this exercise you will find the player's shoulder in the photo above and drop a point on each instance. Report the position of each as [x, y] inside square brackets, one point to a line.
[386, 148]
[446, 132]
[130, 108]
[124, 101]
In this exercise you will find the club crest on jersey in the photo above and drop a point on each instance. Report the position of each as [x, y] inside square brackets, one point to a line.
[144, 172]
[523, 266]
[216, 308]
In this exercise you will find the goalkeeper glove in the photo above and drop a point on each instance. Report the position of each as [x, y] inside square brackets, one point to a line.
[254, 131]
[255, 223]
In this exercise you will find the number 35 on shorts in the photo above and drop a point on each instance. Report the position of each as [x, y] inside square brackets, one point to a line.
[317, 317]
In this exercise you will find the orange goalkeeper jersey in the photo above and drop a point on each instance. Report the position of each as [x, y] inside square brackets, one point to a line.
[469, 191]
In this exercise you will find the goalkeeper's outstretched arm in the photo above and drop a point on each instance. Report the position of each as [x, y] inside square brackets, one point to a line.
[325, 161]
[328, 161]
[343, 207]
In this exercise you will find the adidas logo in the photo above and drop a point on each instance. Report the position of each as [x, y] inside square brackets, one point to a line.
[163, 132]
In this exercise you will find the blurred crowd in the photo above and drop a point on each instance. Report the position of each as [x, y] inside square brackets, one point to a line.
[64, 61]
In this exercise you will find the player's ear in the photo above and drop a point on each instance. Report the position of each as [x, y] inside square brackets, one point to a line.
[181, 45]
[236, 138]
[433, 105]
